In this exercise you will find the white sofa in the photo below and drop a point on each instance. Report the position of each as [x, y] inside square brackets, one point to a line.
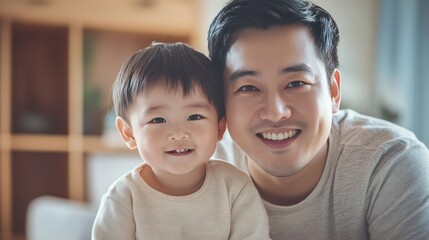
[53, 218]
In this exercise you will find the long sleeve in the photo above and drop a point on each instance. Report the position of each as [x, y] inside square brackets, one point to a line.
[114, 221]
[398, 195]
[249, 219]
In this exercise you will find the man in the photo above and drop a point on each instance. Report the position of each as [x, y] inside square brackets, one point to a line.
[323, 173]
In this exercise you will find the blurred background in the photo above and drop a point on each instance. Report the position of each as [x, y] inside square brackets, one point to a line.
[59, 150]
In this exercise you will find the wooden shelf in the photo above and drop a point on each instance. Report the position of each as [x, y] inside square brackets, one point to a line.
[36, 174]
[119, 15]
[42, 143]
[39, 79]
[57, 143]
[58, 60]
[8, 236]
[98, 145]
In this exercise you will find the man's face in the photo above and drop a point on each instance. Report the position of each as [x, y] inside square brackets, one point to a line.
[278, 102]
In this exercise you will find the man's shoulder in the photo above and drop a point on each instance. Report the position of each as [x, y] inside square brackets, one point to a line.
[355, 129]
[349, 119]
[359, 140]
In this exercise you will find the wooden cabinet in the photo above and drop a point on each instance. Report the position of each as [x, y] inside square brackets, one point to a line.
[58, 60]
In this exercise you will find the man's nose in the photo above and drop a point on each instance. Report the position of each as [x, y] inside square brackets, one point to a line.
[275, 108]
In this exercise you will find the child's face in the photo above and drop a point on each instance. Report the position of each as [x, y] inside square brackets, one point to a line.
[174, 134]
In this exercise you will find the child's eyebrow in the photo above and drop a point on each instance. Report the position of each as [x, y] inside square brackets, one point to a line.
[199, 105]
[153, 109]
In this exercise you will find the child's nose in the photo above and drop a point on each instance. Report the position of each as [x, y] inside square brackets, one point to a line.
[178, 135]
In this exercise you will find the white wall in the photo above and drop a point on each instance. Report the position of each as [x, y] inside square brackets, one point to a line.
[357, 21]
[209, 8]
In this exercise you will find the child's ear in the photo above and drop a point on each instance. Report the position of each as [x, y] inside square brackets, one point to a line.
[126, 132]
[221, 128]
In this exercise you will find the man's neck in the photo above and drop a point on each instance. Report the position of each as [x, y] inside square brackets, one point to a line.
[287, 191]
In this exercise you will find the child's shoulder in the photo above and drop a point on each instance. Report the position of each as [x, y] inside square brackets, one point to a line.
[221, 164]
[126, 183]
[220, 167]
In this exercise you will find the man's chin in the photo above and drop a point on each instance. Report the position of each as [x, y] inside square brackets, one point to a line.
[279, 170]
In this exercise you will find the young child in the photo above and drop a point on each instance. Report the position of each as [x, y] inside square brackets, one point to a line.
[169, 102]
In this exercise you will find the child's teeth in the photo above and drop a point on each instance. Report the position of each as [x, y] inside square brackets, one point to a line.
[182, 150]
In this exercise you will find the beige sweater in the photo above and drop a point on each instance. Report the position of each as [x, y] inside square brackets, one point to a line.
[227, 206]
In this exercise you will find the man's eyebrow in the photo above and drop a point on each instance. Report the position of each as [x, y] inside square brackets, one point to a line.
[295, 68]
[240, 73]
[298, 68]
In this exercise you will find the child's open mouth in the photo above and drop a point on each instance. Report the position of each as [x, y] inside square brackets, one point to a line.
[180, 152]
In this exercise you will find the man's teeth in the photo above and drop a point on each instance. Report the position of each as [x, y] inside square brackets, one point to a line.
[279, 136]
[182, 150]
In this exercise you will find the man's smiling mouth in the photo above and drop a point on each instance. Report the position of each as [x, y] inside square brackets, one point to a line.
[279, 136]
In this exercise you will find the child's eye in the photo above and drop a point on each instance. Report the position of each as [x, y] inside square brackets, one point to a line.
[194, 117]
[248, 88]
[158, 120]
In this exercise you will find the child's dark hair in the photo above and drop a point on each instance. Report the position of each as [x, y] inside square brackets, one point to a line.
[173, 65]
[263, 14]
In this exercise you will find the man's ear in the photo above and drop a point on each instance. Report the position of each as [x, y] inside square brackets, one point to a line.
[221, 128]
[126, 132]
[335, 90]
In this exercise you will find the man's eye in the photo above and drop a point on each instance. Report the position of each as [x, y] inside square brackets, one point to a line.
[158, 120]
[296, 84]
[194, 117]
[248, 88]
